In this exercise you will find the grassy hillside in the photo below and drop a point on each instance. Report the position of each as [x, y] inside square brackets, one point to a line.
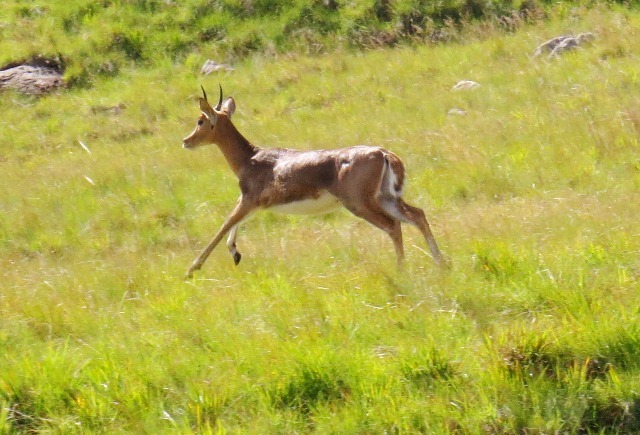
[93, 39]
[533, 195]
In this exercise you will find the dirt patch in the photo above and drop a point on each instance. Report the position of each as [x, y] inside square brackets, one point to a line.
[36, 76]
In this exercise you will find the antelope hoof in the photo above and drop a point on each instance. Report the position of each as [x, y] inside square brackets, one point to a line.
[443, 263]
[192, 269]
[236, 258]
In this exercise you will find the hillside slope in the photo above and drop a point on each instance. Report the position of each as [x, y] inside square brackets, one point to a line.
[92, 39]
[531, 184]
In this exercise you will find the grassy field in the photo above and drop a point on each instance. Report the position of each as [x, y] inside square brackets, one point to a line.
[533, 195]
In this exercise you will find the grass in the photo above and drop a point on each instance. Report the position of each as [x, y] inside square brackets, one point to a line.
[93, 40]
[533, 195]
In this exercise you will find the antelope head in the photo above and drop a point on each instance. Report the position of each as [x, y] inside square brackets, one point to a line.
[212, 121]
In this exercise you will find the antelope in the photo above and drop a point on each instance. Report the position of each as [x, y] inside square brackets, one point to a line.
[366, 180]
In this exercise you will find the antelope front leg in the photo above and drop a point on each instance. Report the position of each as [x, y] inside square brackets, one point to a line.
[231, 244]
[239, 213]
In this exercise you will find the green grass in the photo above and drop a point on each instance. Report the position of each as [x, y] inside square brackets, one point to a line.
[533, 195]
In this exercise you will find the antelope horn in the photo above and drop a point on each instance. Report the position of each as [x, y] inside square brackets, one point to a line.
[204, 93]
[219, 106]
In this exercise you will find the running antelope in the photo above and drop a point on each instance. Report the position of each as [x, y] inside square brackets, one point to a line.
[366, 180]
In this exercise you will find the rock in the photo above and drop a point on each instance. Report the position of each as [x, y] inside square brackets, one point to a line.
[465, 84]
[586, 37]
[549, 46]
[32, 80]
[561, 44]
[212, 66]
[565, 45]
[456, 112]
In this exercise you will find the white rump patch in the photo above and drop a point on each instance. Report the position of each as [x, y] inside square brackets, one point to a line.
[325, 203]
[389, 181]
[393, 180]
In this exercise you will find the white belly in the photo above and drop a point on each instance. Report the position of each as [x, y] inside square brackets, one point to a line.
[325, 203]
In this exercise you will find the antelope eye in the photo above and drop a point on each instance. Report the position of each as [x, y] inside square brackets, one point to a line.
[200, 121]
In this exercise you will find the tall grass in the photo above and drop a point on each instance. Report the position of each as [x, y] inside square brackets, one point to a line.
[533, 195]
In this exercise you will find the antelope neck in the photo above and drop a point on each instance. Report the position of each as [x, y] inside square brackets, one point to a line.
[236, 149]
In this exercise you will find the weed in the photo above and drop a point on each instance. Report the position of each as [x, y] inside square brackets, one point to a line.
[131, 43]
[499, 263]
[533, 356]
[424, 368]
[621, 347]
[310, 385]
[609, 415]
[24, 408]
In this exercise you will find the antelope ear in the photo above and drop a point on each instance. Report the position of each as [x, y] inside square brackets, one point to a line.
[206, 108]
[229, 106]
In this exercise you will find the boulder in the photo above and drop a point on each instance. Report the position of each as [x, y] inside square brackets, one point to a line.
[35, 77]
